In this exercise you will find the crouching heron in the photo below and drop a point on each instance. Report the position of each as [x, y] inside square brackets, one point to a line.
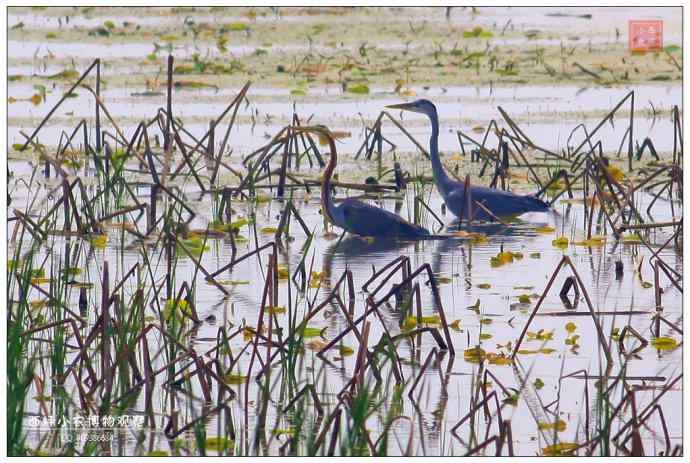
[356, 216]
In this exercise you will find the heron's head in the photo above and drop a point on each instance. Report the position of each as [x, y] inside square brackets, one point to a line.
[419, 106]
[325, 135]
[320, 130]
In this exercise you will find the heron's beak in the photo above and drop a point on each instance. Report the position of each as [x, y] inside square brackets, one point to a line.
[404, 107]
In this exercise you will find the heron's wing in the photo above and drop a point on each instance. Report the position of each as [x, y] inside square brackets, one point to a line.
[366, 220]
[499, 202]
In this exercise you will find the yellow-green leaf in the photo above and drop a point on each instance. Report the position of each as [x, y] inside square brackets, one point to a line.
[664, 343]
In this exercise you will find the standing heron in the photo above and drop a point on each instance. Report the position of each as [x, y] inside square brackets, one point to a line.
[500, 203]
[356, 216]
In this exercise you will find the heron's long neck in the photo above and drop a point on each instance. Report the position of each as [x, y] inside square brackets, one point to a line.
[326, 198]
[440, 176]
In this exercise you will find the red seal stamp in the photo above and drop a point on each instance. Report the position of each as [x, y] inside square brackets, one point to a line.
[645, 34]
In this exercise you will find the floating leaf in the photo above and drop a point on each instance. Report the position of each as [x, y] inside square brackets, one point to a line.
[504, 257]
[431, 320]
[538, 383]
[78, 284]
[38, 272]
[71, 271]
[235, 379]
[664, 343]
[157, 453]
[559, 426]
[298, 92]
[544, 350]
[218, 444]
[474, 237]
[237, 224]
[316, 278]
[561, 242]
[236, 27]
[485, 336]
[545, 229]
[616, 172]
[524, 299]
[475, 354]
[176, 308]
[540, 335]
[512, 399]
[455, 325]
[409, 323]
[66, 74]
[570, 327]
[474, 307]
[632, 238]
[592, 241]
[248, 333]
[484, 285]
[283, 273]
[572, 341]
[275, 310]
[310, 331]
[192, 84]
[560, 449]
[98, 241]
[498, 359]
[507, 72]
[269, 230]
[232, 282]
[194, 244]
[359, 89]
[477, 32]
[474, 56]
[346, 351]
